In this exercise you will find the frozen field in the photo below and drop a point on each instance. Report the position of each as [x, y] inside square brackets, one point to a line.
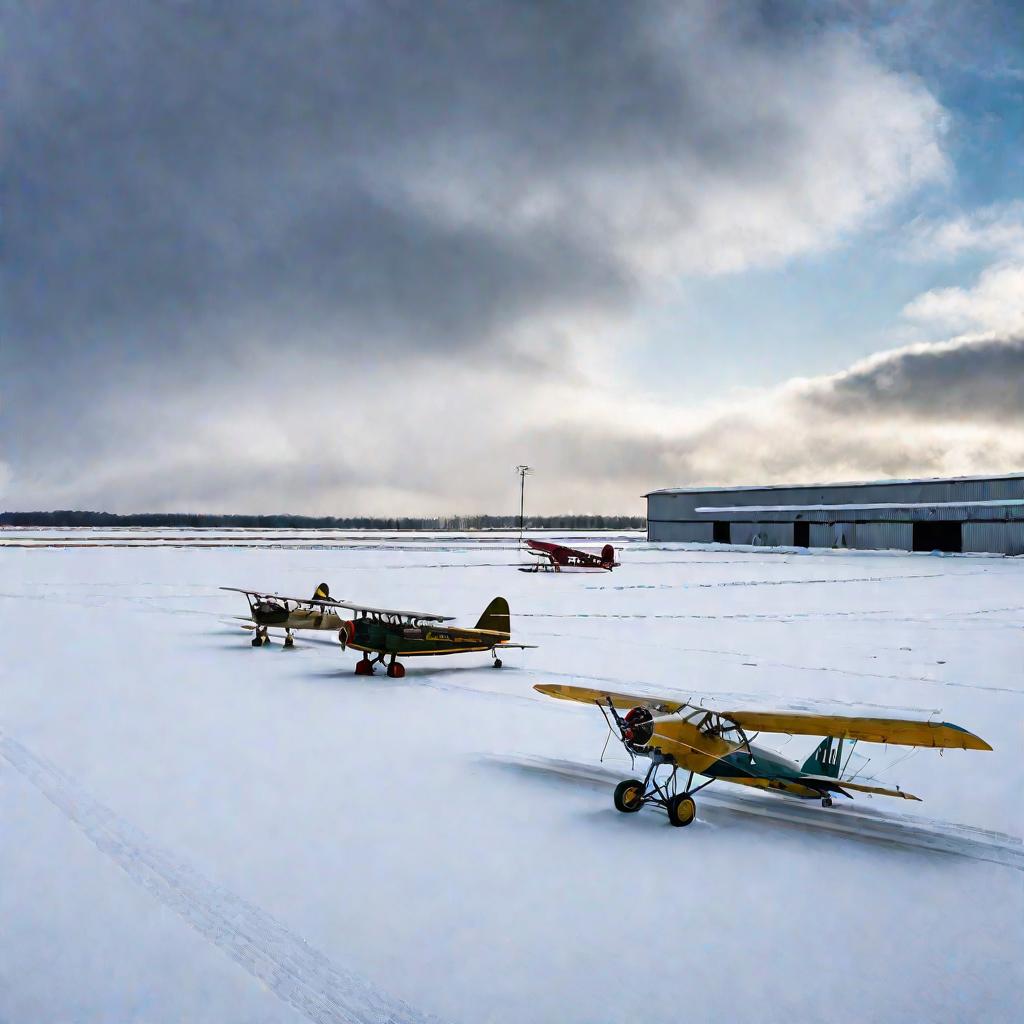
[196, 830]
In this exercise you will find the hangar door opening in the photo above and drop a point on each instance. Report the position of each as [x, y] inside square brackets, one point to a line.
[938, 537]
[802, 534]
[720, 532]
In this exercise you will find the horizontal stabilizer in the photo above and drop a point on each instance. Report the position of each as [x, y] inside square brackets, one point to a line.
[859, 787]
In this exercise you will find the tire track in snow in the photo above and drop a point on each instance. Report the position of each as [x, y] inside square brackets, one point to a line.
[295, 972]
[763, 583]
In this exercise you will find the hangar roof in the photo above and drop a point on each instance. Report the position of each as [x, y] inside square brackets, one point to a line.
[838, 483]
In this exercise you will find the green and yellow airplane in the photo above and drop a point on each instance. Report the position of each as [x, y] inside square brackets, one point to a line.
[385, 633]
[681, 736]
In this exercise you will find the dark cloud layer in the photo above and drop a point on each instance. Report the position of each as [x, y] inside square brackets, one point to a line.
[168, 161]
[372, 162]
[210, 208]
[896, 414]
[980, 380]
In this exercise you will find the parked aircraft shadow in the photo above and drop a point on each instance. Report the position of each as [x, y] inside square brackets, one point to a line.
[863, 824]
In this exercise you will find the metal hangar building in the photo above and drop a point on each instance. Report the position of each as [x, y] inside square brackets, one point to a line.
[971, 513]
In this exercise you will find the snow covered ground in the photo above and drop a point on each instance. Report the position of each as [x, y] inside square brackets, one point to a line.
[196, 830]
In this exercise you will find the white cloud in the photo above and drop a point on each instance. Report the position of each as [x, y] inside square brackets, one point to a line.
[448, 444]
[997, 229]
[994, 303]
[791, 149]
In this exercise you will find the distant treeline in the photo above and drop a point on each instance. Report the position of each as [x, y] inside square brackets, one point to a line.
[567, 522]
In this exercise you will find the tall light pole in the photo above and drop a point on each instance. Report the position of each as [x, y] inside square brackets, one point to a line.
[522, 471]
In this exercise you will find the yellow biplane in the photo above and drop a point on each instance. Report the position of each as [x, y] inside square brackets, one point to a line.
[680, 736]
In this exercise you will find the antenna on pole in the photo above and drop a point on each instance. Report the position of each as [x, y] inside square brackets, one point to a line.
[522, 471]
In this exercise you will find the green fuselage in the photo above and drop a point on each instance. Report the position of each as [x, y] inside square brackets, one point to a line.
[762, 768]
[417, 640]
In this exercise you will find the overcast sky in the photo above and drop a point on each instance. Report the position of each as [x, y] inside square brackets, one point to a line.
[346, 258]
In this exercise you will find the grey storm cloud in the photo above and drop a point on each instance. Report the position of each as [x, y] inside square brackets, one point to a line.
[348, 190]
[978, 379]
[886, 416]
[369, 165]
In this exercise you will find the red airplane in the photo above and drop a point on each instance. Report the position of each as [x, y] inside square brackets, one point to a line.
[555, 558]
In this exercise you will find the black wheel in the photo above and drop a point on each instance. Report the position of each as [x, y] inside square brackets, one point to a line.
[289, 641]
[257, 641]
[497, 662]
[826, 801]
[629, 796]
[682, 810]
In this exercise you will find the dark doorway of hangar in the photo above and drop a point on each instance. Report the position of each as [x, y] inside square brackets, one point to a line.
[938, 537]
[802, 535]
[720, 532]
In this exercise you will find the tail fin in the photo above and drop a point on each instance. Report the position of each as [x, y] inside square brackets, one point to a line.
[827, 758]
[496, 617]
[322, 593]
[607, 555]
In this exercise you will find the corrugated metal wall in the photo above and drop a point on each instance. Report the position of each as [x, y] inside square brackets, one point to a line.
[694, 533]
[821, 535]
[995, 529]
[996, 538]
[885, 536]
[669, 504]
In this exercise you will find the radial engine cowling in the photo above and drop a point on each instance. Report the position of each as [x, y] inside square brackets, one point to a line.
[269, 613]
[346, 634]
[639, 728]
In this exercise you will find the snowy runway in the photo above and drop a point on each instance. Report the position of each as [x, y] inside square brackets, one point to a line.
[197, 830]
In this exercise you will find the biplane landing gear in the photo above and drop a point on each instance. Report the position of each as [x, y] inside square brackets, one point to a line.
[826, 801]
[497, 661]
[629, 796]
[632, 794]
[395, 670]
[366, 666]
[682, 809]
[289, 640]
[260, 638]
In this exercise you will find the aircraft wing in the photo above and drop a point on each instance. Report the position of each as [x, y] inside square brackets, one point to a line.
[542, 545]
[860, 787]
[898, 731]
[464, 632]
[330, 602]
[560, 553]
[418, 616]
[312, 602]
[585, 695]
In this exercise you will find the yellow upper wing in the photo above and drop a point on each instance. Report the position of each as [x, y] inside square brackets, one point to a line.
[897, 731]
[620, 700]
[872, 730]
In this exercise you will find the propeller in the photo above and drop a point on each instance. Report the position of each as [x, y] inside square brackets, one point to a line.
[346, 633]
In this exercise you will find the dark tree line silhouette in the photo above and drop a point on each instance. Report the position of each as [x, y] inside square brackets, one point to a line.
[64, 518]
